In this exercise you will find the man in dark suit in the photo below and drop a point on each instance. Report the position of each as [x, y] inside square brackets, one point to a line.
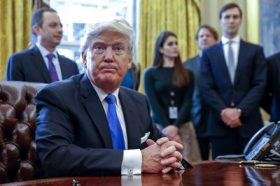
[33, 65]
[206, 36]
[132, 77]
[233, 82]
[74, 131]
[271, 100]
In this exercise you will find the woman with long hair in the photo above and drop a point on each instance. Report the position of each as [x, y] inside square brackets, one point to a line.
[169, 88]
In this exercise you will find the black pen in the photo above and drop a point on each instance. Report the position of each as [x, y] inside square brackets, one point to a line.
[254, 162]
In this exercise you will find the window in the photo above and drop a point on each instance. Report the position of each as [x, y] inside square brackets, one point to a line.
[76, 14]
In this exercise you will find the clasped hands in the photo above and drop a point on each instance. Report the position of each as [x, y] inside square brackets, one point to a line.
[231, 117]
[172, 132]
[161, 156]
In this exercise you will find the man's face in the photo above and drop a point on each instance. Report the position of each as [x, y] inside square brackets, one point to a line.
[50, 33]
[230, 22]
[107, 60]
[205, 39]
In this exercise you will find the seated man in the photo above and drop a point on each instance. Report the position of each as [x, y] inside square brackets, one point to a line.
[89, 125]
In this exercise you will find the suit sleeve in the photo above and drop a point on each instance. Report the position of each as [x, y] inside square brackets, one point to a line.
[56, 146]
[185, 111]
[68, 67]
[72, 67]
[267, 98]
[156, 133]
[14, 70]
[209, 93]
[258, 82]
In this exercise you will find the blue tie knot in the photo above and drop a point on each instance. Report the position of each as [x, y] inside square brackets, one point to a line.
[111, 99]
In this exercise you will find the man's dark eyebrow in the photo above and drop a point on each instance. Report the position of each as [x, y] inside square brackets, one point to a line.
[118, 43]
[98, 42]
[102, 43]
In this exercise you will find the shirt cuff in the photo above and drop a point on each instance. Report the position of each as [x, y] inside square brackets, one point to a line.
[132, 162]
[239, 110]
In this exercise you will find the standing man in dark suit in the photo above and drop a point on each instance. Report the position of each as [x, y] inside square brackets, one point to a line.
[233, 82]
[33, 65]
[272, 95]
[74, 132]
[206, 36]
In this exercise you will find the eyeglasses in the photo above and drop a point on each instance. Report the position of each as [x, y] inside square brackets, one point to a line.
[117, 49]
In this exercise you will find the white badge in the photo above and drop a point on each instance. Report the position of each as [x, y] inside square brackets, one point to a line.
[173, 112]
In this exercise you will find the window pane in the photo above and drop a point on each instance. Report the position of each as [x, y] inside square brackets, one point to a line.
[76, 14]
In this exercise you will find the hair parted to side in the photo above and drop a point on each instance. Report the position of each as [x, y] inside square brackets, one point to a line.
[230, 6]
[37, 17]
[180, 77]
[210, 29]
[94, 30]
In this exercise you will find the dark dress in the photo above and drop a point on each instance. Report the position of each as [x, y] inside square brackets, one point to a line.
[163, 95]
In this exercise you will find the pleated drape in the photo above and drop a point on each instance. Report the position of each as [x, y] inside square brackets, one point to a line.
[15, 17]
[179, 16]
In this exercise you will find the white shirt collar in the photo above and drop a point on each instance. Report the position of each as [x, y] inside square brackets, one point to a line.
[225, 40]
[102, 95]
[44, 51]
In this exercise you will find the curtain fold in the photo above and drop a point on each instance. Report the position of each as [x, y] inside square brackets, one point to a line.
[15, 16]
[253, 21]
[179, 16]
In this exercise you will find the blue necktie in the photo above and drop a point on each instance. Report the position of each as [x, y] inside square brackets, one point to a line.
[114, 123]
[52, 71]
[231, 65]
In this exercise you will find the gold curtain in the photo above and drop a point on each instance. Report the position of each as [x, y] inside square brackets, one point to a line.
[253, 19]
[15, 16]
[179, 16]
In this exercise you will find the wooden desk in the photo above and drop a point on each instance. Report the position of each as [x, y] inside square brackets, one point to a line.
[206, 173]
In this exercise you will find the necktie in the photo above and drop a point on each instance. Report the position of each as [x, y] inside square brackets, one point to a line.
[114, 123]
[231, 65]
[52, 71]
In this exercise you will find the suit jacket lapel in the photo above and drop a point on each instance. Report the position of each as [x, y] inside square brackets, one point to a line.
[62, 68]
[223, 64]
[95, 110]
[241, 61]
[133, 137]
[40, 63]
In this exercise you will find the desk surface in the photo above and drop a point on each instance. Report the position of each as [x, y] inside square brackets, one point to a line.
[204, 173]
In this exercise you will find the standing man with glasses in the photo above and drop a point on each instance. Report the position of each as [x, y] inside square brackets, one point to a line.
[42, 63]
[233, 82]
[98, 127]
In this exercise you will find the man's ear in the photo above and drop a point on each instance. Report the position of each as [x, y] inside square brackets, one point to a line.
[129, 63]
[84, 59]
[36, 30]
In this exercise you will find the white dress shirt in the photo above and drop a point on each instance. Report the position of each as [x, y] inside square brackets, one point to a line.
[132, 159]
[235, 47]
